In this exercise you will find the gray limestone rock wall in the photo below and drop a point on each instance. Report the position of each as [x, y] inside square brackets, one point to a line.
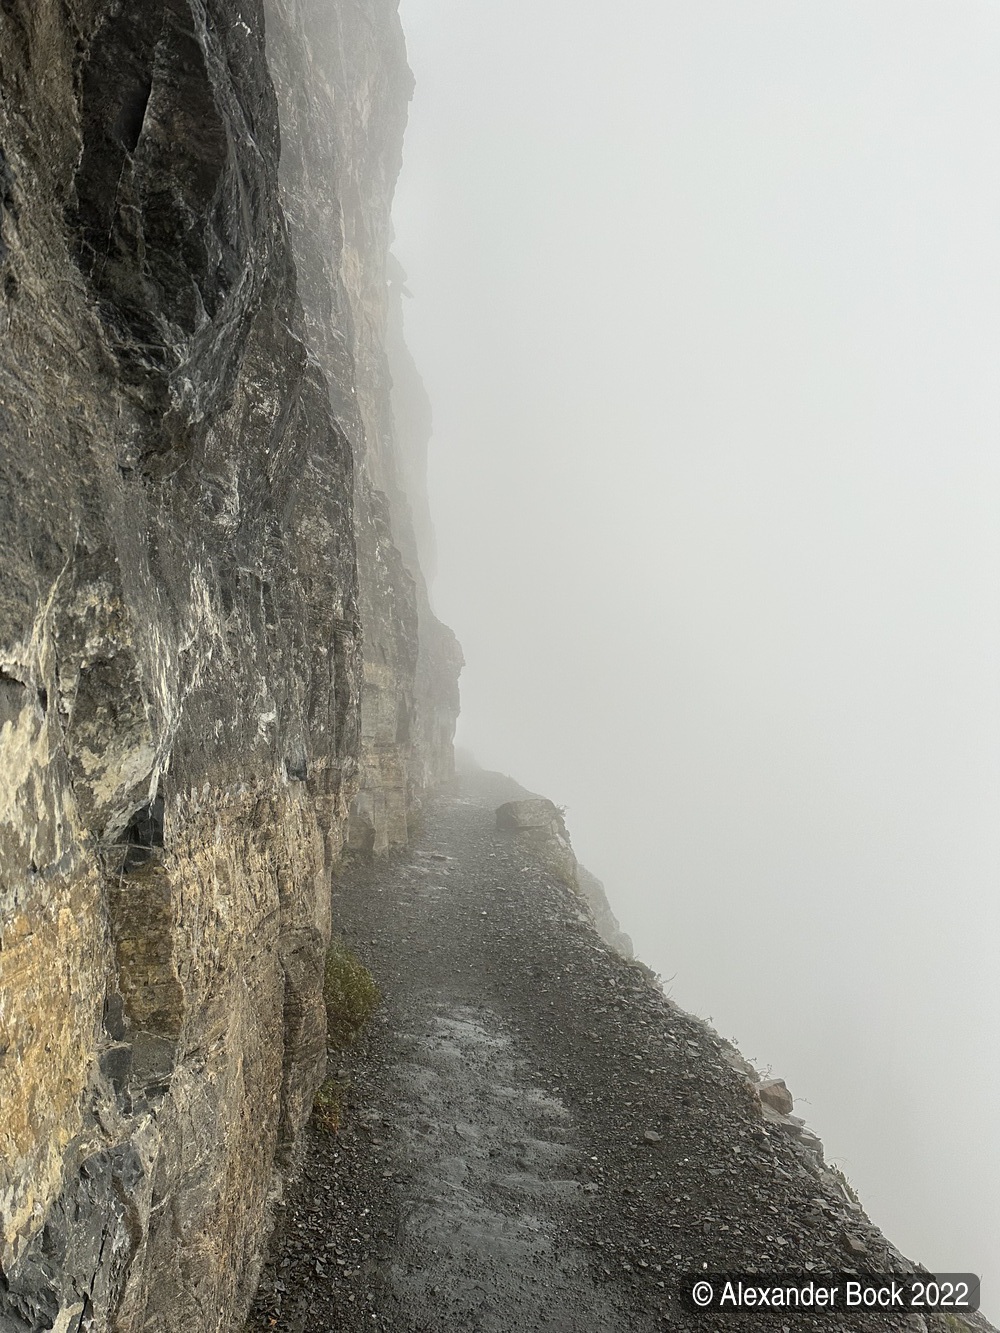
[211, 644]
[342, 131]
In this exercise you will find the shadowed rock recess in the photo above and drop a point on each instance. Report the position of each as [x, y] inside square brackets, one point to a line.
[219, 673]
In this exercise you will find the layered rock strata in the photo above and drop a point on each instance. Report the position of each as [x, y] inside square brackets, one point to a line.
[539, 825]
[217, 660]
[342, 123]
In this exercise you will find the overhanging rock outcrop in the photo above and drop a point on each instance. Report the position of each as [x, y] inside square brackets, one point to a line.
[215, 640]
[540, 827]
[539, 823]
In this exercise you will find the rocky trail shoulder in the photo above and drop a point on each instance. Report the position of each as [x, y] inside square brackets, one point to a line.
[533, 1136]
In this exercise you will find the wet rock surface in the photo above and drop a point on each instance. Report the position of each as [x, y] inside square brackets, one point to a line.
[214, 637]
[536, 1137]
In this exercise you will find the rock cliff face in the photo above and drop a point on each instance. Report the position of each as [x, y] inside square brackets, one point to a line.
[218, 664]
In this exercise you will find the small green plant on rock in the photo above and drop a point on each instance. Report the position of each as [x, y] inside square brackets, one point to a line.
[955, 1325]
[327, 1105]
[351, 997]
[851, 1191]
[350, 994]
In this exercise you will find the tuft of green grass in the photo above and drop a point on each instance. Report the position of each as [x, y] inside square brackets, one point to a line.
[327, 1105]
[351, 997]
[955, 1325]
[852, 1192]
[350, 994]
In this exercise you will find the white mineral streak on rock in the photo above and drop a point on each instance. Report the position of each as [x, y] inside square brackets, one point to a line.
[195, 423]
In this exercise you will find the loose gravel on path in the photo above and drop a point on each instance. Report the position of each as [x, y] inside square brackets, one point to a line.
[535, 1137]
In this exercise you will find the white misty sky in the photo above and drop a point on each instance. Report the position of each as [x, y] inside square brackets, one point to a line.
[707, 302]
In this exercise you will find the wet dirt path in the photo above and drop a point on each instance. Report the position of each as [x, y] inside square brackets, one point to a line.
[535, 1138]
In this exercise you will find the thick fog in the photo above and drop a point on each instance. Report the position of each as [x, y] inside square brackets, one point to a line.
[706, 297]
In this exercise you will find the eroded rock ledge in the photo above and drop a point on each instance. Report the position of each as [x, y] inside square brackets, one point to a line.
[218, 664]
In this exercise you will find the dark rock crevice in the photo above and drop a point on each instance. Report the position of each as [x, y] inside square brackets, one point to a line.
[8, 207]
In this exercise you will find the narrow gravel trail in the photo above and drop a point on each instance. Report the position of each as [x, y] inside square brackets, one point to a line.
[536, 1138]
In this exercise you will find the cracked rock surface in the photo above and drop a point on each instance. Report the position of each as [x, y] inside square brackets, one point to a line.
[536, 1137]
[218, 664]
